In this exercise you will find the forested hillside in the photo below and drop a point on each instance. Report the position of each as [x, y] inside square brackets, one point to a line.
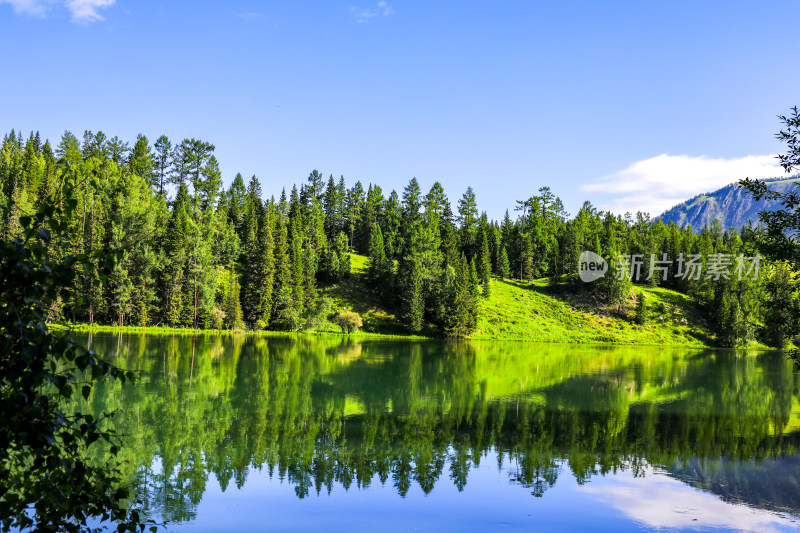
[200, 255]
[731, 205]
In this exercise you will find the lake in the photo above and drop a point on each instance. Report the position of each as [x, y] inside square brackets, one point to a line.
[246, 433]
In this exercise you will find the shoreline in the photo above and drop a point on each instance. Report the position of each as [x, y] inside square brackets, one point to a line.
[86, 328]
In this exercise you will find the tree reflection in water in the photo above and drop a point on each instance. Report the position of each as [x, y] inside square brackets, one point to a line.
[321, 412]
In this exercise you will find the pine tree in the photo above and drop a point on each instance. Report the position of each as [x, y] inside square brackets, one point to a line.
[141, 159]
[237, 205]
[266, 245]
[781, 306]
[616, 284]
[282, 263]
[140, 305]
[502, 263]
[298, 265]
[412, 301]
[461, 317]
[473, 279]
[232, 306]
[174, 306]
[354, 207]
[468, 221]
[337, 264]
[390, 226]
[484, 264]
[251, 293]
[161, 163]
[378, 271]
[641, 308]
[331, 206]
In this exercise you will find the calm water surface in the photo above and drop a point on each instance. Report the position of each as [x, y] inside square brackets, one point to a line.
[235, 433]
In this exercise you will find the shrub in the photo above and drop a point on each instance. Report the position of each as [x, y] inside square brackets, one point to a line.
[318, 316]
[217, 317]
[349, 321]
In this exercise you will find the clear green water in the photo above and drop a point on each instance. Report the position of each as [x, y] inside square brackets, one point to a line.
[235, 433]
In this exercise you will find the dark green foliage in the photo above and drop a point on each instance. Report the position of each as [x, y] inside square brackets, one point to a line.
[379, 273]
[502, 263]
[161, 163]
[781, 306]
[462, 317]
[317, 316]
[641, 308]
[484, 262]
[468, 221]
[46, 449]
[412, 300]
[337, 261]
[232, 305]
[258, 273]
[288, 314]
[616, 284]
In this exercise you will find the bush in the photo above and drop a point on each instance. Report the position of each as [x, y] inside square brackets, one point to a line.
[317, 317]
[349, 321]
[217, 317]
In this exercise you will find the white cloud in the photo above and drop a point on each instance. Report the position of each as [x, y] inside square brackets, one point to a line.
[36, 8]
[656, 184]
[82, 10]
[363, 15]
[86, 10]
[660, 502]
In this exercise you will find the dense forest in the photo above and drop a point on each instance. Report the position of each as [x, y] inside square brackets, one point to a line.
[193, 253]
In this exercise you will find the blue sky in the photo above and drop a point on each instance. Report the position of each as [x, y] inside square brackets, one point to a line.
[630, 105]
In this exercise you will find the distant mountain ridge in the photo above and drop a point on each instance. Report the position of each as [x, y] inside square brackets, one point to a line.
[732, 205]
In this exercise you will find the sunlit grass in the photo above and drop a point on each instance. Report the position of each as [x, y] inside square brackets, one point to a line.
[534, 311]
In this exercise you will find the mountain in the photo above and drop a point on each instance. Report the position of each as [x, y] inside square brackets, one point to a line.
[732, 205]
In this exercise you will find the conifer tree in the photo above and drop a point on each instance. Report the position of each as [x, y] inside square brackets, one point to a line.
[502, 263]
[141, 159]
[378, 271]
[232, 306]
[161, 163]
[390, 226]
[484, 264]
[468, 221]
[412, 301]
[460, 320]
[781, 305]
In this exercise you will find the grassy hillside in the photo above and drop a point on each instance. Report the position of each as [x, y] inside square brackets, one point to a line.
[533, 311]
[354, 295]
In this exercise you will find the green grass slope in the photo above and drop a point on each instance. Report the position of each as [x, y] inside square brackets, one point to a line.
[353, 294]
[533, 311]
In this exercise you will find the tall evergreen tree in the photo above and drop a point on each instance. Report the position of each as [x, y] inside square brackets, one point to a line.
[484, 263]
[161, 163]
